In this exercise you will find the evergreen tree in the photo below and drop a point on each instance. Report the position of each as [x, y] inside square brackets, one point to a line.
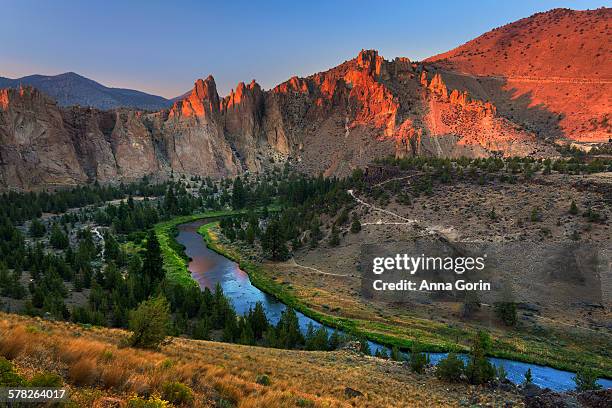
[201, 330]
[528, 377]
[334, 341]
[356, 225]
[111, 247]
[273, 242]
[239, 194]
[58, 239]
[258, 320]
[586, 380]
[37, 228]
[573, 208]
[288, 330]
[171, 204]
[479, 369]
[334, 239]
[152, 264]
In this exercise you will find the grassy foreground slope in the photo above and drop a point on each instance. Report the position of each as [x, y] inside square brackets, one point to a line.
[98, 370]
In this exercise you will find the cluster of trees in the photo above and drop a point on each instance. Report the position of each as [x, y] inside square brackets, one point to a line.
[479, 370]
[301, 203]
[528, 166]
[20, 207]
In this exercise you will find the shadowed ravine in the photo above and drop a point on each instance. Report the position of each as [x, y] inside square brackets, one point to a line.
[209, 268]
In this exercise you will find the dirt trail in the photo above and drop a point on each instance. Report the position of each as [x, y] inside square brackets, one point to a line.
[445, 233]
[292, 262]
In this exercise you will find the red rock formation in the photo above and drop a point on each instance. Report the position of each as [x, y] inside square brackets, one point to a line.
[550, 71]
[329, 122]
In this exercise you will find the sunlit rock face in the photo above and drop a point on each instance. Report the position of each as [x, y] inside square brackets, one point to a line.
[330, 122]
[495, 95]
[550, 72]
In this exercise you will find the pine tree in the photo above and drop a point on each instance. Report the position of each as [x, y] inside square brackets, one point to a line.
[528, 377]
[152, 263]
[111, 247]
[273, 242]
[288, 330]
[37, 228]
[356, 225]
[573, 208]
[58, 239]
[239, 195]
[258, 320]
[334, 239]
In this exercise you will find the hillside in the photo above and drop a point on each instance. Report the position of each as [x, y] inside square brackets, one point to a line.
[99, 372]
[515, 91]
[557, 61]
[72, 89]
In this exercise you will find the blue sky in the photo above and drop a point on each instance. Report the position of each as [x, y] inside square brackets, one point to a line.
[161, 47]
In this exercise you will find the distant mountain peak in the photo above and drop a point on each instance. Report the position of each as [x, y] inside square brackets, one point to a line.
[71, 88]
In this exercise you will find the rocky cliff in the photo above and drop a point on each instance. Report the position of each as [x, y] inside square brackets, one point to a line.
[462, 103]
[330, 122]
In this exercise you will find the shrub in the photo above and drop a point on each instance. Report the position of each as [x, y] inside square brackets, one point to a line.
[46, 380]
[114, 376]
[395, 354]
[149, 323]
[506, 312]
[418, 362]
[528, 377]
[304, 403]
[83, 372]
[8, 376]
[263, 380]
[364, 346]
[450, 368]
[177, 393]
[586, 380]
[573, 208]
[355, 226]
[502, 374]
[154, 402]
[11, 346]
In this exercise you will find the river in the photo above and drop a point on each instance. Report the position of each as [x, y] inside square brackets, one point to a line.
[209, 268]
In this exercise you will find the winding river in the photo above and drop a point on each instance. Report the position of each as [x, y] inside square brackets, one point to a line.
[209, 268]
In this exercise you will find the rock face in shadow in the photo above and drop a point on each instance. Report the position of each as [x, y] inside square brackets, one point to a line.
[35, 145]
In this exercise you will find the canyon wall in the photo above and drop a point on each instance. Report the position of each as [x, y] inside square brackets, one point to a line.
[330, 122]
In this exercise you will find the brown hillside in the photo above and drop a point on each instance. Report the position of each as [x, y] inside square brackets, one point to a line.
[557, 61]
[99, 372]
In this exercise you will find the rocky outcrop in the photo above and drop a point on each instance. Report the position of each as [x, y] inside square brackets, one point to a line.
[35, 147]
[43, 145]
[330, 122]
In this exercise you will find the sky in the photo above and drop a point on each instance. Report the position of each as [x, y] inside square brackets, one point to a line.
[162, 47]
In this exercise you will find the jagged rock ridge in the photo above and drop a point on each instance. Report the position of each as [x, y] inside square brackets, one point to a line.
[329, 122]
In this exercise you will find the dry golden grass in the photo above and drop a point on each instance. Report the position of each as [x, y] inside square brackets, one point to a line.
[96, 366]
[84, 372]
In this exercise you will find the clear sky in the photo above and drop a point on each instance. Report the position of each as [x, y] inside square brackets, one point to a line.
[161, 47]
